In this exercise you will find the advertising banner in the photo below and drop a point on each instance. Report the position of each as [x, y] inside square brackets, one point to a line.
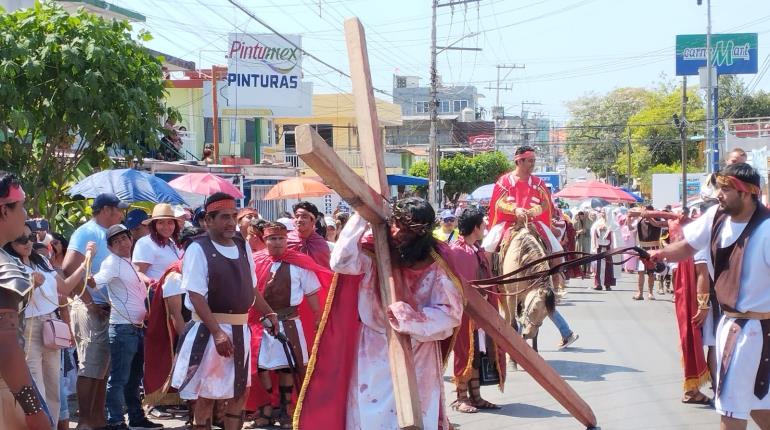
[264, 71]
[731, 54]
[482, 142]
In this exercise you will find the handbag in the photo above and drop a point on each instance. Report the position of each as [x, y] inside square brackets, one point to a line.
[56, 334]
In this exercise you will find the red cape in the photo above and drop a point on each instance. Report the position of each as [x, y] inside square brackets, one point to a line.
[159, 339]
[314, 246]
[262, 262]
[696, 372]
[323, 399]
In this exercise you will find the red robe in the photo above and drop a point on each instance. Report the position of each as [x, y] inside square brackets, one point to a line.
[464, 255]
[314, 246]
[262, 262]
[696, 372]
[322, 399]
[159, 342]
[525, 194]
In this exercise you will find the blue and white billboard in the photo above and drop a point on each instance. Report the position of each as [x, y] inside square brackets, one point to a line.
[731, 54]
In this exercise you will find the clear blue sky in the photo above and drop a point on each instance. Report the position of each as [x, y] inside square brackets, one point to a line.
[570, 47]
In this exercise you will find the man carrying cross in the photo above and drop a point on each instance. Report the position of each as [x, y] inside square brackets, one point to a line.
[431, 310]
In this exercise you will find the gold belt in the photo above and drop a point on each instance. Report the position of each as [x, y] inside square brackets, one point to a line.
[749, 315]
[232, 319]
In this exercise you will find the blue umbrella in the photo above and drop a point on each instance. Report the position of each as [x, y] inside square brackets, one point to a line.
[633, 194]
[483, 192]
[406, 180]
[129, 185]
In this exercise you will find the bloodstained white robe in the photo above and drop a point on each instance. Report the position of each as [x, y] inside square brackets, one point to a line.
[370, 400]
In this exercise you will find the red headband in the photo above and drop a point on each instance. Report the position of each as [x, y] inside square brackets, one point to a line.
[523, 155]
[739, 185]
[274, 231]
[15, 194]
[220, 204]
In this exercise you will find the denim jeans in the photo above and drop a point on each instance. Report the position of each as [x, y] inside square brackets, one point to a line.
[561, 324]
[126, 372]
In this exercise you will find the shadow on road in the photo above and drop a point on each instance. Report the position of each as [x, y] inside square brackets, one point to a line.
[523, 410]
[588, 372]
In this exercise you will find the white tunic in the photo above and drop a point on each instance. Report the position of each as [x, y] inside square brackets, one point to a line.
[370, 402]
[214, 378]
[737, 399]
[271, 353]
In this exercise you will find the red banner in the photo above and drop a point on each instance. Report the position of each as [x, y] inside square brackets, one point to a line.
[482, 142]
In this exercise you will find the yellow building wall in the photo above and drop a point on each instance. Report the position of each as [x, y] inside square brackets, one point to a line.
[339, 111]
[334, 109]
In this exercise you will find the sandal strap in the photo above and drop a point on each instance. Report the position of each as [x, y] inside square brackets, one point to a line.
[286, 392]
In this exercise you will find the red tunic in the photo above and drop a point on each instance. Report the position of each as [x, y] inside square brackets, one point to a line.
[524, 194]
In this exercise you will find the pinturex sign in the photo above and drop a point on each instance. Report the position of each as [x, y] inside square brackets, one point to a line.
[265, 71]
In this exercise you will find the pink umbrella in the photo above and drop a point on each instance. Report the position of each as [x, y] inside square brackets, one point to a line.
[585, 190]
[206, 184]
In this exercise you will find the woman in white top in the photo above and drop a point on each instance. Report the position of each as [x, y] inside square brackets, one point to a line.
[51, 290]
[156, 251]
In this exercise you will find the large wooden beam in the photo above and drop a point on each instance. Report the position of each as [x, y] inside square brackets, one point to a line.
[488, 319]
[317, 154]
[402, 371]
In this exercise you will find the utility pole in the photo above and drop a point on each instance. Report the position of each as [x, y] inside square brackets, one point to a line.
[681, 124]
[498, 114]
[629, 181]
[433, 145]
[215, 70]
[434, 197]
[711, 146]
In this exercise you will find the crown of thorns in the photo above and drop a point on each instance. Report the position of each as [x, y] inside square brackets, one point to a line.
[404, 218]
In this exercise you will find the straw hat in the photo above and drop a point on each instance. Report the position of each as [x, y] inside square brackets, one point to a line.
[161, 211]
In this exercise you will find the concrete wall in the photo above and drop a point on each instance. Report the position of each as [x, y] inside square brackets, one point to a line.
[407, 98]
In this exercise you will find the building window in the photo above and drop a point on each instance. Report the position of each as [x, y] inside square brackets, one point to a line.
[422, 107]
[289, 144]
[444, 106]
[208, 129]
[326, 131]
[459, 105]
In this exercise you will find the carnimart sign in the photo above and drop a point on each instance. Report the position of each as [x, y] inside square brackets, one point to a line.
[264, 71]
[731, 54]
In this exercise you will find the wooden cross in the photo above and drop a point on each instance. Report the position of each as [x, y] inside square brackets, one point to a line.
[369, 197]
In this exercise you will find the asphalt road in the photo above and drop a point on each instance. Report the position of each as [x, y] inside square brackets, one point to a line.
[626, 365]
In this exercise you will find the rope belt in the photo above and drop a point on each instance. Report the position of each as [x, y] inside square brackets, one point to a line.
[232, 319]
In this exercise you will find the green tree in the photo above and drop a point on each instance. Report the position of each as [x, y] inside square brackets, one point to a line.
[74, 88]
[655, 139]
[463, 174]
[598, 127]
[737, 101]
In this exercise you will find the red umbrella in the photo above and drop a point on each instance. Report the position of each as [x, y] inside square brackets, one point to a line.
[206, 184]
[585, 190]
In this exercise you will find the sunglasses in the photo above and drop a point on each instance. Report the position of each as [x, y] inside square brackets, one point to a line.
[449, 220]
[23, 240]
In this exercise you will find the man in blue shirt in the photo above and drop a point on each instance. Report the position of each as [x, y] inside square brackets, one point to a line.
[90, 314]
